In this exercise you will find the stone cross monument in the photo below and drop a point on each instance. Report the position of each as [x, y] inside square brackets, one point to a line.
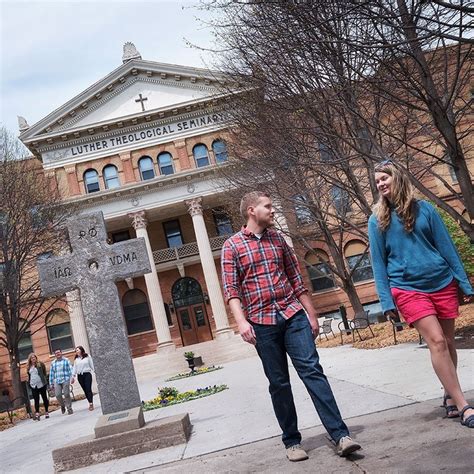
[93, 267]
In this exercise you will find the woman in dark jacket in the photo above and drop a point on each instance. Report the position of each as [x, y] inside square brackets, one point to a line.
[38, 381]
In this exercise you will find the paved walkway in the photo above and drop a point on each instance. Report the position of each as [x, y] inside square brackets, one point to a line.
[370, 386]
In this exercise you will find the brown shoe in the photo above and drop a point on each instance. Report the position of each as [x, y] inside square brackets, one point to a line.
[296, 453]
[346, 445]
[91, 406]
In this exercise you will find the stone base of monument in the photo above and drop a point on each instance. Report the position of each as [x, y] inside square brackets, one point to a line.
[153, 435]
[118, 422]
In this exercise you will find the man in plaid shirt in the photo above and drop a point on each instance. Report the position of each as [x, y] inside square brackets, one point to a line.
[60, 377]
[273, 310]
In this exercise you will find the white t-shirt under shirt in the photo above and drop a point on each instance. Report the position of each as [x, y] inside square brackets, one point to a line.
[83, 365]
[35, 379]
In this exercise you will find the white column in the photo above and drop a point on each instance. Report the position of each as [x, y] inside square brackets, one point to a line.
[209, 268]
[76, 316]
[153, 287]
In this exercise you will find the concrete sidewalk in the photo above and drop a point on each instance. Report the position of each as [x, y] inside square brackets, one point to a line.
[369, 387]
[409, 439]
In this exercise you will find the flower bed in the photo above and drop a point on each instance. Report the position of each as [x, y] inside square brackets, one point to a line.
[171, 396]
[202, 370]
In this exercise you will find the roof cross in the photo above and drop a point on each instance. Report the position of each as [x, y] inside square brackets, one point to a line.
[141, 100]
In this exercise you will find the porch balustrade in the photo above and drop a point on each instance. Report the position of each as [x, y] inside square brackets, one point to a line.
[186, 250]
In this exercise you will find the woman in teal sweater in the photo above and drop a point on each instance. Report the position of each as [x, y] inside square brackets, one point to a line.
[418, 271]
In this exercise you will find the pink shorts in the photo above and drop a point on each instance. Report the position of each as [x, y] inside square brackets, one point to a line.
[415, 305]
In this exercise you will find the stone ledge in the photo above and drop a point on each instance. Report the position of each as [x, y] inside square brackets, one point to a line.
[156, 434]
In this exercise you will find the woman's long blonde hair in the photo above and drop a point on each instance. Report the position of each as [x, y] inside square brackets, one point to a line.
[29, 363]
[402, 198]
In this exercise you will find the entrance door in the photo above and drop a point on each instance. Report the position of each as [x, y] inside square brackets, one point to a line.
[194, 324]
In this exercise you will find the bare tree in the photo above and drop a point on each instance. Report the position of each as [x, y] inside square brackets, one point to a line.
[360, 84]
[30, 221]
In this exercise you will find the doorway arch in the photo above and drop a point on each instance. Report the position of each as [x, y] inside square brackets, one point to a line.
[191, 313]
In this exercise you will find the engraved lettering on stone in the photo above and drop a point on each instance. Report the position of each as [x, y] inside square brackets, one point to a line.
[125, 258]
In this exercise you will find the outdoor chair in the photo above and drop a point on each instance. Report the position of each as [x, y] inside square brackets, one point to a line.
[354, 326]
[326, 329]
[399, 326]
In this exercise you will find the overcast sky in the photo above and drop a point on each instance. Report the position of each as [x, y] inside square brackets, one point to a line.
[52, 51]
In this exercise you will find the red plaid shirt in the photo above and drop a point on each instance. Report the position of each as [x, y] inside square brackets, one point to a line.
[263, 273]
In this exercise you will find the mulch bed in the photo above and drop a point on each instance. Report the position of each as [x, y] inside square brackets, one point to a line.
[384, 334]
[21, 413]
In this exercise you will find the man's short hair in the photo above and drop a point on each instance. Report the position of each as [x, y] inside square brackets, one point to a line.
[250, 199]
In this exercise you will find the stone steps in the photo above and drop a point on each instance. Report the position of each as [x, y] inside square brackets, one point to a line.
[170, 362]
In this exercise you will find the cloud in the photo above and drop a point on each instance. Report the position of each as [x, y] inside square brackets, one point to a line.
[51, 51]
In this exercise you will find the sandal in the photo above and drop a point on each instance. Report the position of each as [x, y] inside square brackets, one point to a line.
[451, 410]
[469, 421]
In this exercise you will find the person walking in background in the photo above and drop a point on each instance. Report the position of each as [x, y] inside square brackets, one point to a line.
[60, 377]
[38, 381]
[83, 368]
[265, 291]
[418, 270]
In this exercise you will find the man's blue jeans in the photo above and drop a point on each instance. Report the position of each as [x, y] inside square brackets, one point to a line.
[294, 337]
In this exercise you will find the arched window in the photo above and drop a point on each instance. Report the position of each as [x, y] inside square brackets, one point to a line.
[201, 156]
[302, 211]
[341, 200]
[25, 344]
[319, 272]
[58, 326]
[165, 163]
[358, 259]
[136, 312]
[147, 170]
[91, 181]
[220, 151]
[111, 177]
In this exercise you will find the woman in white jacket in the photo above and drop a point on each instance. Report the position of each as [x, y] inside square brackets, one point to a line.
[83, 368]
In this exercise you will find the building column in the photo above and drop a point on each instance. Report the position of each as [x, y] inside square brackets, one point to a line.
[76, 317]
[155, 297]
[209, 267]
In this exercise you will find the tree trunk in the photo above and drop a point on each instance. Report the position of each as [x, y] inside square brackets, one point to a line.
[351, 293]
[15, 374]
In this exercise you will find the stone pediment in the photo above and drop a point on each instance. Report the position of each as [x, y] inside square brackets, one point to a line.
[136, 91]
[137, 96]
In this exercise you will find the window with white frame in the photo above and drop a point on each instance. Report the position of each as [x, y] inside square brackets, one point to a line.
[58, 327]
[302, 211]
[25, 346]
[111, 177]
[318, 269]
[220, 151]
[358, 259]
[91, 181]
[137, 312]
[165, 163]
[147, 170]
[201, 155]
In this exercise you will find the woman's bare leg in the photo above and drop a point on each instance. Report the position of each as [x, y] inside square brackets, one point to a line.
[432, 332]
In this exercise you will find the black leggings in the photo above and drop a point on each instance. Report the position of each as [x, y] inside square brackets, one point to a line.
[85, 381]
[44, 396]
